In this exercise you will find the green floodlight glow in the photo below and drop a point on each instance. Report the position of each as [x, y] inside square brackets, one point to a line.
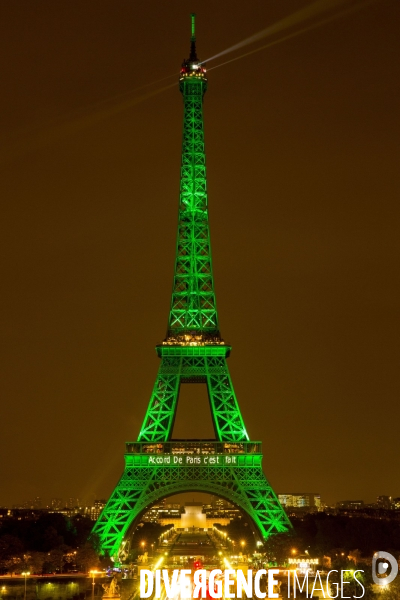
[193, 351]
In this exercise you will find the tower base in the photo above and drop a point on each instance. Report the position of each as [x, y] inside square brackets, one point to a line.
[154, 471]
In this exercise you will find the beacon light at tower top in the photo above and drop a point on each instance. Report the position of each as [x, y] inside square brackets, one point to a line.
[192, 67]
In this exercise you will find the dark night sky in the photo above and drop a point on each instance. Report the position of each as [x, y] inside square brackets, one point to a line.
[302, 144]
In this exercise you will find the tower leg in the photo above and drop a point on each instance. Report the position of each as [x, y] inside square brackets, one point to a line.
[159, 419]
[228, 420]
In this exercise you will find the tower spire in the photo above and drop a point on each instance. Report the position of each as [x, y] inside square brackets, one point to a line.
[193, 317]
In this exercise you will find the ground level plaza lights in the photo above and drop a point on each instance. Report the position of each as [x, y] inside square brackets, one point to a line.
[157, 466]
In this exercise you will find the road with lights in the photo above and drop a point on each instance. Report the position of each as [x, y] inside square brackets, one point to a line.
[189, 550]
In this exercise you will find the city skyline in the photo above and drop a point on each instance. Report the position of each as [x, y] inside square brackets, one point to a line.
[303, 211]
[288, 499]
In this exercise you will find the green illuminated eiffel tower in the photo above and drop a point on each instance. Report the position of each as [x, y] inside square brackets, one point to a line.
[157, 466]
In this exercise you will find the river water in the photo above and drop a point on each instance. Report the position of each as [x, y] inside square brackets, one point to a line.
[59, 588]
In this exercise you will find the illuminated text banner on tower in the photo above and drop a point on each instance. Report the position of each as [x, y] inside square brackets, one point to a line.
[188, 459]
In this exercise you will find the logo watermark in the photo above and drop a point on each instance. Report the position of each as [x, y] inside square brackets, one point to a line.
[381, 561]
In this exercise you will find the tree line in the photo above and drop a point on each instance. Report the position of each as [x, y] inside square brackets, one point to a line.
[48, 544]
[54, 543]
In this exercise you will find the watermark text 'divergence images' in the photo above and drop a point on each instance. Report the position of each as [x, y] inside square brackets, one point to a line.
[264, 583]
[234, 583]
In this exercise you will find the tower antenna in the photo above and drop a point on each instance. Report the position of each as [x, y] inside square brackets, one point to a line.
[193, 17]
[193, 54]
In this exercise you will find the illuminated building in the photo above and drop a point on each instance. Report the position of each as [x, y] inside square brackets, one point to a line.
[162, 511]
[303, 500]
[193, 516]
[72, 502]
[303, 563]
[396, 503]
[95, 510]
[34, 503]
[384, 502]
[354, 504]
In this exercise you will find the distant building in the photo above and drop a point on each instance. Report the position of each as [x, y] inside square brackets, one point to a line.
[306, 501]
[68, 512]
[56, 503]
[72, 502]
[162, 511]
[396, 503]
[194, 516]
[370, 512]
[25, 514]
[384, 502]
[34, 503]
[304, 563]
[354, 504]
[94, 511]
[221, 509]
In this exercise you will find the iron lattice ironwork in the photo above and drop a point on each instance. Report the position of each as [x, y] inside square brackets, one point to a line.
[193, 364]
[157, 466]
[193, 305]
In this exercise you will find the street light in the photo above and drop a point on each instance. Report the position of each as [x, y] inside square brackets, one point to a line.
[25, 574]
[93, 573]
[243, 543]
[143, 544]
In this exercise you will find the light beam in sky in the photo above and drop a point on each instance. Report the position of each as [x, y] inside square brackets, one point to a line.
[342, 13]
[48, 133]
[308, 12]
[51, 131]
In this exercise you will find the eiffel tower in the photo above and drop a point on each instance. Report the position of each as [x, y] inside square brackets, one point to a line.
[157, 466]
